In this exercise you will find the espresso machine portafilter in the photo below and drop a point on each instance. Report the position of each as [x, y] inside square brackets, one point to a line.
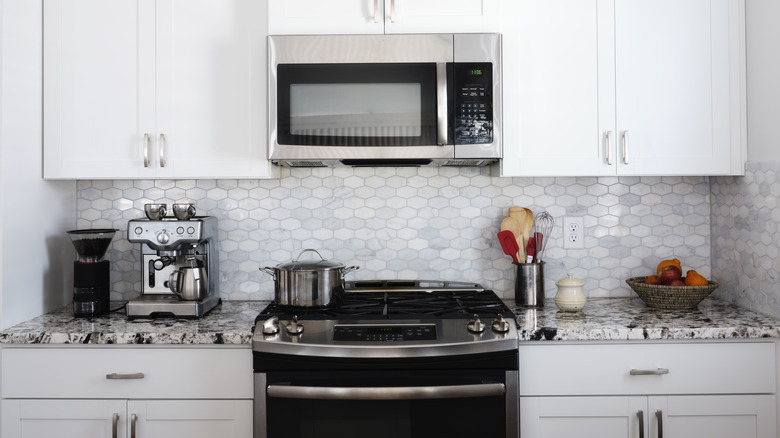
[169, 248]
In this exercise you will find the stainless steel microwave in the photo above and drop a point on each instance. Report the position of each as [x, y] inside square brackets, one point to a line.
[384, 100]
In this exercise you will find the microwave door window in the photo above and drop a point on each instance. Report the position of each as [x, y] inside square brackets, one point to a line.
[357, 104]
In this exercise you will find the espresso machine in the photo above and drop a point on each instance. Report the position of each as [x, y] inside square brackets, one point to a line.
[179, 266]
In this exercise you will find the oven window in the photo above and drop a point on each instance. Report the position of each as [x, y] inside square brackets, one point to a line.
[434, 418]
[356, 104]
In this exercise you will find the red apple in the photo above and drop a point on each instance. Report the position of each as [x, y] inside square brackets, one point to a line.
[670, 273]
[676, 283]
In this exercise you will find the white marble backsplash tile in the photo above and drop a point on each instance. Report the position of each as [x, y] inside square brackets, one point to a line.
[417, 223]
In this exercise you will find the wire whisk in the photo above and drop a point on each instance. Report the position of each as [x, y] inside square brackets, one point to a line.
[543, 225]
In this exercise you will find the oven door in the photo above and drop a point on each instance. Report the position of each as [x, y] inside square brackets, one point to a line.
[348, 401]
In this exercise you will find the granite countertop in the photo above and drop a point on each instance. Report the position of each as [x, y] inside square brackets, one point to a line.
[231, 322]
[616, 319]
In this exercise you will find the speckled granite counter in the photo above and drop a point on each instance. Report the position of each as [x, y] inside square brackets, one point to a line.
[231, 322]
[616, 319]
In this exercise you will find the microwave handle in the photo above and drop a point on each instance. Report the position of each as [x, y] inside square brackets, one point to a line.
[441, 103]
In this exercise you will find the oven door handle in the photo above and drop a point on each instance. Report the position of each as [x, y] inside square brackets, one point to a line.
[386, 393]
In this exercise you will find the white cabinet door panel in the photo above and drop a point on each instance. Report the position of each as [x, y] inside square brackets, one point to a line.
[62, 418]
[192, 418]
[442, 16]
[297, 17]
[565, 417]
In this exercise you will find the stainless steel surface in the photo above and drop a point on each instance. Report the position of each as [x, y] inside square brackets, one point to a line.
[155, 212]
[397, 48]
[184, 212]
[640, 415]
[308, 283]
[409, 286]
[189, 283]
[133, 421]
[163, 145]
[655, 372]
[453, 339]
[114, 423]
[529, 284]
[115, 376]
[146, 150]
[167, 246]
[441, 103]
[608, 148]
[659, 415]
[386, 393]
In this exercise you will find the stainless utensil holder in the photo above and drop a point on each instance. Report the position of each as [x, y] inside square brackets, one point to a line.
[529, 284]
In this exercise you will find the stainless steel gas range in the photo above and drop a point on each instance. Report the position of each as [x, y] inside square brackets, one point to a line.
[393, 359]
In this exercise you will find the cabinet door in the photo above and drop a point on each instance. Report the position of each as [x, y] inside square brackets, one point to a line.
[63, 418]
[442, 16]
[679, 86]
[191, 418]
[98, 88]
[297, 17]
[565, 417]
[744, 416]
[558, 88]
[211, 86]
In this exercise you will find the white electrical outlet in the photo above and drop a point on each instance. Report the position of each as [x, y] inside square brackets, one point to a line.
[573, 235]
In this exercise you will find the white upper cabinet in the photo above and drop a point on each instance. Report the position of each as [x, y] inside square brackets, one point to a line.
[624, 87]
[145, 89]
[291, 17]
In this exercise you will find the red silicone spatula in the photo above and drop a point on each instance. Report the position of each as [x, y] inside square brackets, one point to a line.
[509, 244]
[530, 250]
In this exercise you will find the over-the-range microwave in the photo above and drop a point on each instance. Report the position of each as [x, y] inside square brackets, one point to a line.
[384, 100]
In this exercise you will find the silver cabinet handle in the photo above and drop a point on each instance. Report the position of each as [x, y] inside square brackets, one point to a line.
[115, 376]
[441, 102]
[608, 147]
[659, 416]
[146, 150]
[625, 147]
[641, 416]
[162, 150]
[386, 393]
[655, 372]
[133, 420]
[114, 423]
[392, 11]
[376, 11]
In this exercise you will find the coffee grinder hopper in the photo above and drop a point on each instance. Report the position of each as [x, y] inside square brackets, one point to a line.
[92, 244]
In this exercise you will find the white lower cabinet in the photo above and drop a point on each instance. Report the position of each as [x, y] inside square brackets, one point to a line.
[126, 392]
[127, 418]
[685, 390]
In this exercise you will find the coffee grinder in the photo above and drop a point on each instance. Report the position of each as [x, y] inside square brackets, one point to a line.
[91, 274]
[169, 247]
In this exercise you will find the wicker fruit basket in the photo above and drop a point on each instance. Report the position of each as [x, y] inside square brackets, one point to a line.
[670, 297]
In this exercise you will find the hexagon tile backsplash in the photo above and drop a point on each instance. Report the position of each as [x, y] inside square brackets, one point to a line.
[417, 223]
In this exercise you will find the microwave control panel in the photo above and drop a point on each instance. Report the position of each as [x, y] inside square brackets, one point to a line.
[473, 110]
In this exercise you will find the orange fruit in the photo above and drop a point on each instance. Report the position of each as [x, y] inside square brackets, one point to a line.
[693, 278]
[673, 262]
[653, 279]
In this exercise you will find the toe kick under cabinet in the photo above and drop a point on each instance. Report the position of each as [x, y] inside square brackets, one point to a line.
[126, 392]
[685, 390]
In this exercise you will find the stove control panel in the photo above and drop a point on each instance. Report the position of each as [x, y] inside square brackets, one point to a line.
[384, 333]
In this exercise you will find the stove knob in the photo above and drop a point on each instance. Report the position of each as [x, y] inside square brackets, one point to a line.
[271, 326]
[476, 325]
[500, 325]
[294, 328]
[163, 237]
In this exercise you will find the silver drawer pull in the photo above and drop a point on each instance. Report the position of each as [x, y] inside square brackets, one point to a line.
[655, 372]
[115, 376]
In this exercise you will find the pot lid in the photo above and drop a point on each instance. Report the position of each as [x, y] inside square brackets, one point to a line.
[569, 281]
[309, 265]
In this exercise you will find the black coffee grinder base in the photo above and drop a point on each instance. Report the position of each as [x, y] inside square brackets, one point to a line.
[91, 288]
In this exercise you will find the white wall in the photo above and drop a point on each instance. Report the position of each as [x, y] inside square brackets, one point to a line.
[763, 79]
[35, 254]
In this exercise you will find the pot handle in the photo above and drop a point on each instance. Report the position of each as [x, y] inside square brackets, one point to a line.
[269, 271]
[349, 269]
[307, 250]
